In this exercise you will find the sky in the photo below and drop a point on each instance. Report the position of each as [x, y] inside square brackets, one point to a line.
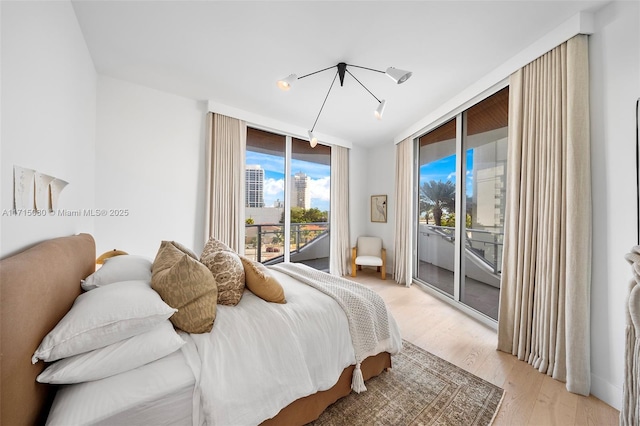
[319, 178]
[444, 169]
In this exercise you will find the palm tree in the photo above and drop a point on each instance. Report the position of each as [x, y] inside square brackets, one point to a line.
[438, 196]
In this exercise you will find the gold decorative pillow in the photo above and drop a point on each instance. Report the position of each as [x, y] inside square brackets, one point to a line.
[228, 273]
[187, 285]
[261, 283]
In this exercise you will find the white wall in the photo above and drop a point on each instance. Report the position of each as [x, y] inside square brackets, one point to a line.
[48, 96]
[614, 71]
[150, 161]
[358, 192]
[381, 181]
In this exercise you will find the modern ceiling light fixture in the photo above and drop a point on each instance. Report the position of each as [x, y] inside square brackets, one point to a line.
[397, 75]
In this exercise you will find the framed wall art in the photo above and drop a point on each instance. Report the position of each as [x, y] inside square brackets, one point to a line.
[379, 208]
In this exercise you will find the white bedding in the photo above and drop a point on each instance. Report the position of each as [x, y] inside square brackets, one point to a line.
[158, 384]
[260, 357]
[301, 348]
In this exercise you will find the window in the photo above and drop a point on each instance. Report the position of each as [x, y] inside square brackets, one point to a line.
[462, 173]
[310, 187]
[287, 200]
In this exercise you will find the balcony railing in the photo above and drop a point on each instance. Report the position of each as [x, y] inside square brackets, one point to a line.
[265, 242]
[486, 245]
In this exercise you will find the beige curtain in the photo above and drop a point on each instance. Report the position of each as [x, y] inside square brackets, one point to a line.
[225, 151]
[339, 234]
[630, 411]
[402, 242]
[546, 278]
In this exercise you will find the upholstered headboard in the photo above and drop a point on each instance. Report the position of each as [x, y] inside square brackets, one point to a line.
[37, 288]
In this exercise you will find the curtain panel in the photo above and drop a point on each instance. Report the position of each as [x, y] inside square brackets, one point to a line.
[630, 411]
[546, 278]
[339, 233]
[225, 154]
[402, 242]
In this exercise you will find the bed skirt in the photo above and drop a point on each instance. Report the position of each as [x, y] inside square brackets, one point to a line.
[309, 408]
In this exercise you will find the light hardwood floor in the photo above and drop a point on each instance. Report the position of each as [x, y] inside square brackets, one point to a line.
[531, 398]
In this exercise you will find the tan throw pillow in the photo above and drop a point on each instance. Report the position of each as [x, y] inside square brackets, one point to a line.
[185, 249]
[187, 285]
[165, 258]
[261, 283]
[163, 262]
[228, 273]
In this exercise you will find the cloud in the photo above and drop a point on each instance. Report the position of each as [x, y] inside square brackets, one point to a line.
[273, 186]
[320, 188]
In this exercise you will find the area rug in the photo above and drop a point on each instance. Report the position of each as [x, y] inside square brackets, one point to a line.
[420, 389]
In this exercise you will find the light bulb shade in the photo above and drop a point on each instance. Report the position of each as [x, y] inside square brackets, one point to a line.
[380, 110]
[285, 83]
[399, 76]
[313, 141]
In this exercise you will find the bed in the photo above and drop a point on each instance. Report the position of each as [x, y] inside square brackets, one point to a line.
[38, 288]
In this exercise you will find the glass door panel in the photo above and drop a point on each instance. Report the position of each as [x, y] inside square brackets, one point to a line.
[462, 172]
[310, 203]
[485, 144]
[436, 210]
[264, 196]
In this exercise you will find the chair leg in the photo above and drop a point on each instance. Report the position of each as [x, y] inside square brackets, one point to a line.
[383, 270]
[353, 261]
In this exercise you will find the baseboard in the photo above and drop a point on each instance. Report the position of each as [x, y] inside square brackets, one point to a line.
[606, 392]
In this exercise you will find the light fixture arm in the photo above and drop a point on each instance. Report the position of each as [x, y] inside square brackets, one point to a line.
[365, 68]
[316, 72]
[325, 100]
[365, 87]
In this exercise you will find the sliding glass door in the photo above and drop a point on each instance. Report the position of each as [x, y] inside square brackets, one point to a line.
[310, 179]
[461, 174]
[264, 196]
[485, 145]
[436, 198]
[287, 200]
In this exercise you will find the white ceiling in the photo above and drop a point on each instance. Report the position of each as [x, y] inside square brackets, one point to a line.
[234, 52]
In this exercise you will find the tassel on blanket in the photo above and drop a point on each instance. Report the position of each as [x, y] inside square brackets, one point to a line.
[357, 381]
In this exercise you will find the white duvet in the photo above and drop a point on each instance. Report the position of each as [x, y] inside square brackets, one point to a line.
[299, 348]
[258, 358]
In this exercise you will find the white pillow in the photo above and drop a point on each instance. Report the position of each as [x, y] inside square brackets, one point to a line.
[99, 401]
[104, 316]
[116, 358]
[119, 268]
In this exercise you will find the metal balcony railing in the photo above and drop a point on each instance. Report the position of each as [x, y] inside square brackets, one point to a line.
[485, 244]
[266, 241]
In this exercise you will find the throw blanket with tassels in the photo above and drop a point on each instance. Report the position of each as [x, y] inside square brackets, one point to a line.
[365, 310]
[630, 412]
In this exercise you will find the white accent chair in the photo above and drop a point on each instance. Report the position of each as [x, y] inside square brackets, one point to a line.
[369, 252]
